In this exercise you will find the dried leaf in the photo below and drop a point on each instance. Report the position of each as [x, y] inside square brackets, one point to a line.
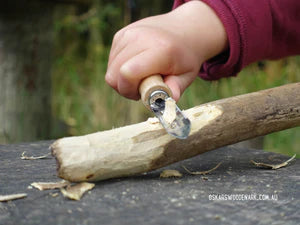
[5, 198]
[76, 191]
[170, 111]
[34, 157]
[170, 173]
[202, 172]
[50, 185]
[273, 166]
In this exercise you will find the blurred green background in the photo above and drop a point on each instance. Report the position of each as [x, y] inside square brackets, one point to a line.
[85, 103]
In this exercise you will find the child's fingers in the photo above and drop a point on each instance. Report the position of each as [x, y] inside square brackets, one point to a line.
[121, 40]
[142, 65]
[156, 61]
[113, 71]
[127, 89]
[118, 45]
[178, 83]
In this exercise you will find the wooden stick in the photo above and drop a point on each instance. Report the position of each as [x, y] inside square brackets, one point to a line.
[146, 146]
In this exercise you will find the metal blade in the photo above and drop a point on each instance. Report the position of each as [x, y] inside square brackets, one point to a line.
[179, 128]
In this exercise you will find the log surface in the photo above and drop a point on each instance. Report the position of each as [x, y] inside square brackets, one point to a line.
[146, 146]
[147, 199]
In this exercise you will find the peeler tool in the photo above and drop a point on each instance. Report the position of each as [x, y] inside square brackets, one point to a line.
[154, 94]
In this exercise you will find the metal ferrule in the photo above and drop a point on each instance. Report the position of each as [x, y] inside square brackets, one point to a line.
[157, 100]
[156, 95]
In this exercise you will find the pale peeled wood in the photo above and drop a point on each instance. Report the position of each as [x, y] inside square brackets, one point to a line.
[146, 146]
[150, 84]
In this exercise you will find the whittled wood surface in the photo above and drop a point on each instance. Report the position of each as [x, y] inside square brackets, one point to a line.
[146, 146]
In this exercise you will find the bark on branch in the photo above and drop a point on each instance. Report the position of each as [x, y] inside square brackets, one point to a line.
[146, 146]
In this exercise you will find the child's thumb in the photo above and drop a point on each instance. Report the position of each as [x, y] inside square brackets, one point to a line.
[178, 83]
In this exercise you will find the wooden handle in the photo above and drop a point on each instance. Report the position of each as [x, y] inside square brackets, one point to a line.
[150, 84]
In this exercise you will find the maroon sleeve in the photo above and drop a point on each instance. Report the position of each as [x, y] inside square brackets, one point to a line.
[256, 30]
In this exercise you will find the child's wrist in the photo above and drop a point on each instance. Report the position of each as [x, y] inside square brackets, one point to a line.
[201, 29]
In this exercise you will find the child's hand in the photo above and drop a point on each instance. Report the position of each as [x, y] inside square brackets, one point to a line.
[173, 45]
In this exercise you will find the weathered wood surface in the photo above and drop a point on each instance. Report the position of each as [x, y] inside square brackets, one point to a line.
[148, 199]
[146, 146]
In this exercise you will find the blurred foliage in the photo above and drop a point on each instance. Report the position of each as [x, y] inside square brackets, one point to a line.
[85, 103]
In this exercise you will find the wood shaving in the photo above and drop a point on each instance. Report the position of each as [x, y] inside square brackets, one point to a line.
[23, 156]
[202, 172]
[76, 191]
[153, 120]
[54, 194]
[50, 185]
[273, 166]
[170, 173]
[170, 111]
[5, 198]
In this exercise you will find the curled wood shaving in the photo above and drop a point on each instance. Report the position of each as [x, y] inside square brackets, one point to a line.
[170, 111]
[50, 185]
[54, 194]
[34, 157]
[5, 198]
[76, 191]
[153, 120]
[202, 172]
[170, 173]
[273, 166]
